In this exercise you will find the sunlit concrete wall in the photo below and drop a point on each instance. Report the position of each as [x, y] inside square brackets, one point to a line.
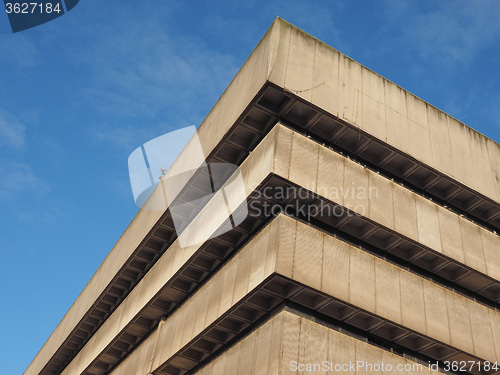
[341, 86]
[289, 340]
[288, 154]
[306, 67]
[308, 256]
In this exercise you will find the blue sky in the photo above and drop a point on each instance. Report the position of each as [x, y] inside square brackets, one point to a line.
[80, 93]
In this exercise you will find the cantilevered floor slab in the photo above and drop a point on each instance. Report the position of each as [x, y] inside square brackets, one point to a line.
[178, 272]
[320, 75]
[291, 261]
[289, 340]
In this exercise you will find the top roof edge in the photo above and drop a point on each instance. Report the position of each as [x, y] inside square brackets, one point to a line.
[280, 22]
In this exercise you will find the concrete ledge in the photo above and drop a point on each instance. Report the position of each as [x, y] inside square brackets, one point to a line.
[330, 175]
[281, 153]
[339, 85]
[289, 339]
[368, 293]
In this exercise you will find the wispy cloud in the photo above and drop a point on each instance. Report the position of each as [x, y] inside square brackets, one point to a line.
[315, 17]
[142, 68]
[12, 131]
[450, 32]
[450, 53]
[48, 215]
[18, 50]
[19, 178]
[126, 137]
[143, 73]
[488, 108]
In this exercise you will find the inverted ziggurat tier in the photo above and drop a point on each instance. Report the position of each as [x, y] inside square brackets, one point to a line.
[361, 238]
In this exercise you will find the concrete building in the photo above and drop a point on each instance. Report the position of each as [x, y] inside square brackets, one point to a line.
[369, 242]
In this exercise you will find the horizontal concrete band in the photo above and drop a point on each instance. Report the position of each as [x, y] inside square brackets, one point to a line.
[282, 149]
[327, 275]
[288, 340]
[275, 103]
[338, 179]
[298, 63]
[275, 153]
[332, 81]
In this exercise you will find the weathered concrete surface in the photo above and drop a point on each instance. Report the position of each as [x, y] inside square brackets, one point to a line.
[297, 62]
[287, 340]
[295, 255]
[282, 153]
[327, 78]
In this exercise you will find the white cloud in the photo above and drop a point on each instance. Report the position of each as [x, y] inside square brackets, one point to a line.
[139, 66]
[126, 137]
[315, 17]
[450, 33]
[143, 73]
[19, 178]
[12, 131]
[18, 50]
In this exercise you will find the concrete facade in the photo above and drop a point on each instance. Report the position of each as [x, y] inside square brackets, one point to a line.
[371, 236]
